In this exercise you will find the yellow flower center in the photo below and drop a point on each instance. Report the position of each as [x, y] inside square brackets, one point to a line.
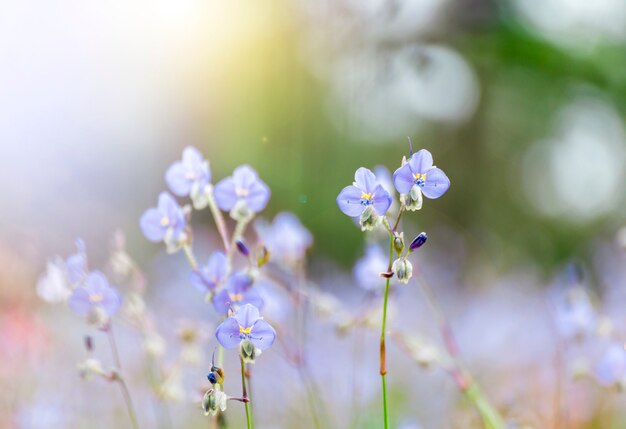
[420, 176]
[234, 297]
[96, 298]
[165, 221]
[243, 330]
[365, 196]
[241, 192]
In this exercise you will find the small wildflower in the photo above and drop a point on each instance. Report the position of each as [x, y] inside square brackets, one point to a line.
[365, 198]
[286, 238]
[209, 278]
[166, 223]
[402, 269]
[214, 400]
[238, 291]
[242, 194]
[418, 241]
[367, 269]
[418, 176]
[611, 369]
[246, 326]
[190, 176]
[96, 299]
[52, 286]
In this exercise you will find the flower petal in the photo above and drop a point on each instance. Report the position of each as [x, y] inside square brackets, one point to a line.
[222, 302]
[244, 176]
[421, 161]
[200, 282]
[111, 301]
[381, 200]
[253, 297]
[217, 267]
[176, 179]
[96, 282]
[365, 180]
[436, 184]
[79, 301]
[258, 196]
[150, 224]
[349, 201]
[227, 334]
[403, 179]
[262, 334]
[239, 283]
[225, 195]
[246, 315]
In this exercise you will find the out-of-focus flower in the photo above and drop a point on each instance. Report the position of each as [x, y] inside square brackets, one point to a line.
[367, 269]
[96, 299]
[242, 194]
[210, 277]
[365, 198]
[575, 315]
[418, 241]
[154, 344]
[190, 176]
[52, 285]
[214, 400]
[611, 369]
[76, 264]
[245, 325]
[418, 176]
[90, 368]
[286, 238]
[403, 270]
[166, 223]
[238, 292]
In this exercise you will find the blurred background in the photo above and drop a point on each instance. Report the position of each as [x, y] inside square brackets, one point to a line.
[521, 102]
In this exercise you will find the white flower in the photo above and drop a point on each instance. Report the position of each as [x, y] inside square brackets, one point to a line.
[52, 286]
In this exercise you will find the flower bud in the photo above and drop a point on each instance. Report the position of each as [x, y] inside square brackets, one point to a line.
[403, 270]
[90, 368]
[243, 249]
[368, 219]
[262, 256]
[413, 200]
[247, 351]
[418, 241]
[214, 400]
[398, 242]
[89, 343]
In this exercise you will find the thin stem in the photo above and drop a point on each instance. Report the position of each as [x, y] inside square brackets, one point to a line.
[245, 394]
[248, 372]
[219, 220]
[193, 263]
[237, 235]
[117, 377]
[383, 350]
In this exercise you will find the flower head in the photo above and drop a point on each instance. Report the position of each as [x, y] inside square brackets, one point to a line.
[419, 176]
[286, 238]
[166, 223]
[245, 325]
[52, 286]
[214, 400]
[190, 176]
[210, 277]
[96, 298]
[611, 369]
[243, 193]
[238, 291]
[403, 269]
[418, 241]
[367, 269]
[365, 198]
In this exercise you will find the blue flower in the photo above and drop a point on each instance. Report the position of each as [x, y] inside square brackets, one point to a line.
[243, 193]
[365, 198]
[367, 269]
[238, 292]
[418, 176]
[76, 264]
[286, 238]
[210, 277]
[245, 325]
[95, 298]
[166, 223]
[611, 369]
[190, 176]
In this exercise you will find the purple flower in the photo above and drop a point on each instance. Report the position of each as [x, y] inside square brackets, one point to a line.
[95, 295]
[238, 292]
[367, 269]
[611, 369]
[246, 324]
[365, 198]
[242, 190]
[419, 176]
[209, 277]
[190, 176]
[286, 238]
[166, 222]
[418, 241]
[76, 264]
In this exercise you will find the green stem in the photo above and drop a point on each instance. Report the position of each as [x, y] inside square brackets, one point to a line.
[383, 350]
[120, 381]
[245, 395]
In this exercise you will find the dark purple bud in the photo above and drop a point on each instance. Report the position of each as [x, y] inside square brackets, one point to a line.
[241, 246]
[418, 241]
[89, 343]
